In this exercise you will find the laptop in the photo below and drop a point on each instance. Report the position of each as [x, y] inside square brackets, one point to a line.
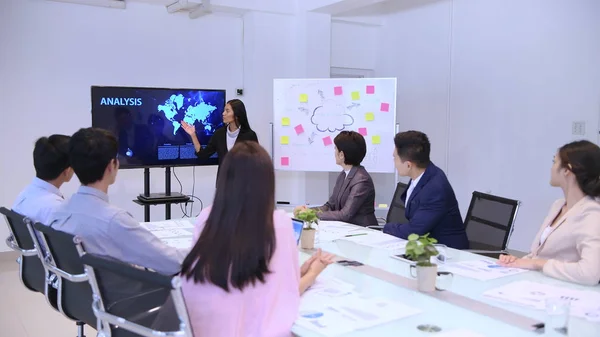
[298, 225]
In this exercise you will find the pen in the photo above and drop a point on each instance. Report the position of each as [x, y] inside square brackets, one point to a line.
[347, 236]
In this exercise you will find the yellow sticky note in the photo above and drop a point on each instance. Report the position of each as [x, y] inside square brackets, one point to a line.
[285, 140]
[285, 121]
[376, 140]
[383, 205]
[369, 116]
[355, 95]
[303, 98]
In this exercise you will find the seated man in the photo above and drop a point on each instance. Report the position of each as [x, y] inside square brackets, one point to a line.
[353, 197]
[431, 205]
[42, 196]
[105, 229]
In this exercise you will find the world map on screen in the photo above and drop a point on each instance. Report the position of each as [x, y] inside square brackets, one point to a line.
[193, 109]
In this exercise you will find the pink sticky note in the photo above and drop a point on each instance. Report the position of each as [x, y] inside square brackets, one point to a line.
[385, 107]
[299, 129]
[370, 89]
[338, 91]
[285, 161]
[362, 131]
[327, 141]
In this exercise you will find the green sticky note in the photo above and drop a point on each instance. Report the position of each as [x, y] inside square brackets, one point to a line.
[355, 95]
[285, 121]
[303, 98]
[376, 140]
[369, 116]
[285, 140]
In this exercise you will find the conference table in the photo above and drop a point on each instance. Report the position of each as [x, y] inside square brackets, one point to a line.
[461, 310]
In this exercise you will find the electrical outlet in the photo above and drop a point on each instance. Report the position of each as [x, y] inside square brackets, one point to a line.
[578, 128]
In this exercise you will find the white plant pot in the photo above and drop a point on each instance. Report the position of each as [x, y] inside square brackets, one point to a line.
[307, 239]
[426, 277]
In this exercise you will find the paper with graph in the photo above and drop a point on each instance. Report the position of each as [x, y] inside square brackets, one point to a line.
[309, 113]
[332, 307]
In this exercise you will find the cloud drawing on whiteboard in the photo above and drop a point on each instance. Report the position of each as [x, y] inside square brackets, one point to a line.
[331, 117]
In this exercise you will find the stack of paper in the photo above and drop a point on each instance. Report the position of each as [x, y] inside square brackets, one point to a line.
[332, 308]
[584, 303]
[482, 270]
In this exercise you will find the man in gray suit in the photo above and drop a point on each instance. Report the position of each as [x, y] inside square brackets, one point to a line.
[353, 197]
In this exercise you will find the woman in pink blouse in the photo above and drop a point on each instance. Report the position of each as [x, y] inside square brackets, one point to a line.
[242, 276]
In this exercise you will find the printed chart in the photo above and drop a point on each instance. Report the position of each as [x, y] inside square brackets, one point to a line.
[309, 113]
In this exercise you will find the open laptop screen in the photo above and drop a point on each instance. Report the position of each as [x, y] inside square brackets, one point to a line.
[298, 224]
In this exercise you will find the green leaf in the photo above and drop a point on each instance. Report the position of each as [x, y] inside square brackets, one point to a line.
[420, 248]
[413, 237]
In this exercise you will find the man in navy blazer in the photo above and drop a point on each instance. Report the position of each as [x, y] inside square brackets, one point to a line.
[431, 205]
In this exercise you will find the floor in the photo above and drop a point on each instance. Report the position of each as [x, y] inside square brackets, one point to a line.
[24, 313]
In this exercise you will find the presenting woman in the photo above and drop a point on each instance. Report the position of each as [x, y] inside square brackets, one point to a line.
[567, 246]
[242, 276]
[236, 128]
[353, 197]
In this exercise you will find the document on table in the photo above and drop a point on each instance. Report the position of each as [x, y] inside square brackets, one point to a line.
[180, 243]
[482, 270]
[584, 303]
[335, 230]
[169, 224]
[172, 233]
[331, 307]
[378, 240]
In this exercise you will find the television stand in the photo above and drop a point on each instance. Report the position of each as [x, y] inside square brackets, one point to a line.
[168, 198]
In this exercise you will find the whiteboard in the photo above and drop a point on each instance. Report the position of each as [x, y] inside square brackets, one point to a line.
[309, 113]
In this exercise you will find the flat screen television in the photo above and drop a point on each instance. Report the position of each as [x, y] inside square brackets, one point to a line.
[147, 123]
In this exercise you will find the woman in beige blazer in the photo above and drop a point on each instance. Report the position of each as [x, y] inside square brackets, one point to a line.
[567, 246]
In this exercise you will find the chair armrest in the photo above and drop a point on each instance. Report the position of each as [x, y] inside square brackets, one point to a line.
[381, 220]
[10, 242]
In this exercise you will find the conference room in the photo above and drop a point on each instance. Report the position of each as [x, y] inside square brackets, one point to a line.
[506, 93]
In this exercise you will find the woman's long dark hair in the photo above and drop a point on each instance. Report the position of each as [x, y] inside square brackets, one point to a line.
[583, 159]
[239, 112]
[238, 240]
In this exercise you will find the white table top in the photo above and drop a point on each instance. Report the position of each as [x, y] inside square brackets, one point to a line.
[435, 311]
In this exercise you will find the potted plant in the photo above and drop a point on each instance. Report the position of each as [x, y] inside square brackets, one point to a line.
[421, 249]
[309, 216]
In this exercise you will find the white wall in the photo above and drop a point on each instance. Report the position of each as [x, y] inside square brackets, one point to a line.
[51, 53]
[522, 72]
[354, 45]
[519, 73]
[415, 48]
[270, 53]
